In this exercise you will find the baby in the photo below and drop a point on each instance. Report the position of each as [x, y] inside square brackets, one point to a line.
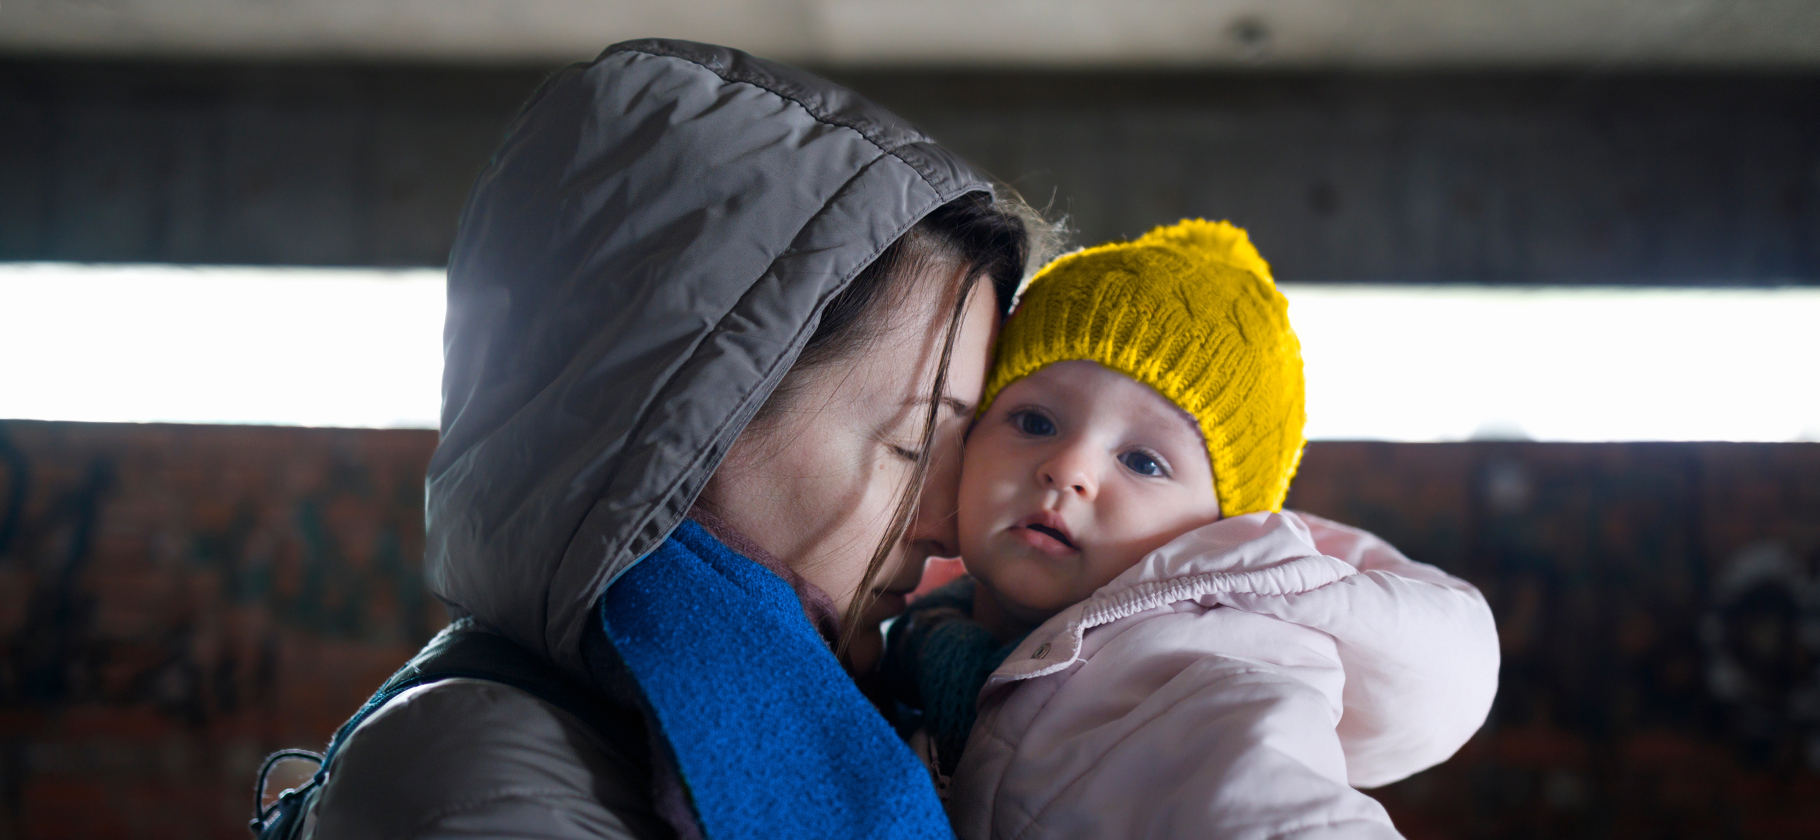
[1153, 646]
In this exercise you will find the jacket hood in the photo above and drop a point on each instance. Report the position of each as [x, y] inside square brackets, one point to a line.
[635, 270]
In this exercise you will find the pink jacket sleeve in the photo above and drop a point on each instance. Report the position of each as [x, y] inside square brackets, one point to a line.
[1419, 648]
[1238, 683]
[1197, 723]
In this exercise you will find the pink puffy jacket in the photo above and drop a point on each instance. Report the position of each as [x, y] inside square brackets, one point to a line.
[1239, 682]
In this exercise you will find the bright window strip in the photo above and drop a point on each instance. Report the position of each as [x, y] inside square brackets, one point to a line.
[362, 348]
[175, 344]
[1429, 363]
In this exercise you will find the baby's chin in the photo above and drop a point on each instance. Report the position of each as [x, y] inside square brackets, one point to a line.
[1025, 596]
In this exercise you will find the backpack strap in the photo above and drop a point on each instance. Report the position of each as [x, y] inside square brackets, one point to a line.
[461, 651]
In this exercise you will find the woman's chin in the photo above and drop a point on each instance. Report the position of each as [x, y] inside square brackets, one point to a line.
[867, 646]
[864, 651]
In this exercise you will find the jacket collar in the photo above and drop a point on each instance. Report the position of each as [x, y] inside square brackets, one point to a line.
[1267, 554]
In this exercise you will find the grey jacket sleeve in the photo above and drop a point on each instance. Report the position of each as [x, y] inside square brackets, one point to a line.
[468, 758]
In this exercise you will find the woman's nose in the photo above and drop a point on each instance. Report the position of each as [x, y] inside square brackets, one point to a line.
[934, 531]
[1070, 470]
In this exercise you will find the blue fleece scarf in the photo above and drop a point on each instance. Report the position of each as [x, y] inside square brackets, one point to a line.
[771, 737]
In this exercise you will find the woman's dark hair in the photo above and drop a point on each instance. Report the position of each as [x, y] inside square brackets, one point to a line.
[992, 239]
[972, 230]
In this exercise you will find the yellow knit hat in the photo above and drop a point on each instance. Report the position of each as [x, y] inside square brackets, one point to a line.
[1189, 309]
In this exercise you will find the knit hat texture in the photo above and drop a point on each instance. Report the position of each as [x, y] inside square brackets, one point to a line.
[1189, 309]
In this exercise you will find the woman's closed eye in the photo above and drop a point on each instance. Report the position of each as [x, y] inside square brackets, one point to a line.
[1144, 463]
[1032, 423]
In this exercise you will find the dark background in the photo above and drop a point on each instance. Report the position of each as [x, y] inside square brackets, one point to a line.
[1502, 177]
[175, 601]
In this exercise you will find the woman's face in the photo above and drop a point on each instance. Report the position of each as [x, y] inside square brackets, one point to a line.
[818, 485]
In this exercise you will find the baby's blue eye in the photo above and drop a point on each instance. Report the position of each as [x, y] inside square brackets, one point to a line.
[1142, 464]
[1032, 423]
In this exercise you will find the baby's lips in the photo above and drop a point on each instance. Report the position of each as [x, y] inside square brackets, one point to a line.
[1051, 521]
[1043, 542]
[1047, 532]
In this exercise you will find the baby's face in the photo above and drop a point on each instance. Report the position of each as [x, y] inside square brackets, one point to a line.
[1074, 474]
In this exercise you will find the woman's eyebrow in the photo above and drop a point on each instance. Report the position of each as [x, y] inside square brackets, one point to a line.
[955, 404]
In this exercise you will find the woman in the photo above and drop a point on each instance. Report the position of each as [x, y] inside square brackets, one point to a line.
[715, 329]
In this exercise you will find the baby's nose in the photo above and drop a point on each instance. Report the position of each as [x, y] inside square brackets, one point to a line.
[1070, 472]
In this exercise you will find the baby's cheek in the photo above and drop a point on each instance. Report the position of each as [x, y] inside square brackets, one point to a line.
[983, 499]
[1144, 530]
[971, 515]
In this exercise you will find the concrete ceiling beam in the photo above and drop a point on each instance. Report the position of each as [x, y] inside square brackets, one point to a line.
[1327, 34]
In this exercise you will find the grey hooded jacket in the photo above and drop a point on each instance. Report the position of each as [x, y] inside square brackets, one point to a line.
[639, 265]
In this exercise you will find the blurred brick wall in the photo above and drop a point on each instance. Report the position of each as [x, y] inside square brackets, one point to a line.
[176, 601]
[1658, 609]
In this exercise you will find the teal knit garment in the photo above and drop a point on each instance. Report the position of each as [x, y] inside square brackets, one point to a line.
[936, 660]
